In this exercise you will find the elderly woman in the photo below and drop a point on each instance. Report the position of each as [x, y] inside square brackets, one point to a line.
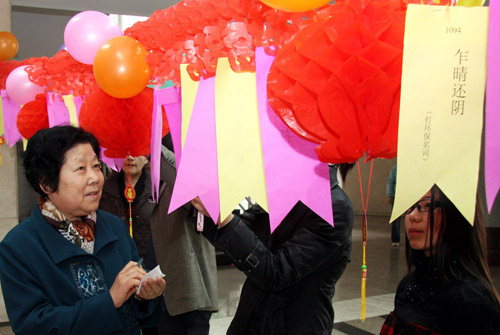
[70, 268]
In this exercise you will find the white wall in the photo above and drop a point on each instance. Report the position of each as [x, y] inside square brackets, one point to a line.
[131, 7]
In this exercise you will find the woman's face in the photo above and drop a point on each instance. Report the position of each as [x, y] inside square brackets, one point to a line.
[417, 225]
[80, 183]
[134, 165]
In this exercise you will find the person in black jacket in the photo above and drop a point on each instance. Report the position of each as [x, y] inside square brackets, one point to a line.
[449, 289]
[292, 272]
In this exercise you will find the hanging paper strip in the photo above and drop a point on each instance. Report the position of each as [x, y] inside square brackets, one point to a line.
[170, 98]
[73, 108]
[114, 164]
[442, 95]
[10, 109]
[162, 97]
[197, 172]
[2, 131]
[492, 132]
[241, 168]
[189, 88]
[292, 170]
[155, 157]
[57, 111]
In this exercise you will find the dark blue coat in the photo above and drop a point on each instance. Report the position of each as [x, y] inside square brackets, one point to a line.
[51, 286]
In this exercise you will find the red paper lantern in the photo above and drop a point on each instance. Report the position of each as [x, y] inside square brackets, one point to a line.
[33, 117]
[338, 82]
[122, 126]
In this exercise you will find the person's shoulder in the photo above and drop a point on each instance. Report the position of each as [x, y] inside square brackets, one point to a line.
[110, 220]
[107, 217]
[111, 184]
[23, 228]
[469, 292]
[21, 235]
[469, 306]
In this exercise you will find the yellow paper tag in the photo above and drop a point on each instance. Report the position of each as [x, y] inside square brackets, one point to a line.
[69, 101]
[188, 94]
[441, 116]
[239, 150]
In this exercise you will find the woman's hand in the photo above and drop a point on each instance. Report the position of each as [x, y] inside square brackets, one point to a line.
[126, 283]
[151, 288]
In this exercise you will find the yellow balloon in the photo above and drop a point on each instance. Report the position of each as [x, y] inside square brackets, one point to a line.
[470, 3]
[295, 5]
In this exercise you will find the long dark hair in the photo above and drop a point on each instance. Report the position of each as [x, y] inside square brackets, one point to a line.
[461, 253]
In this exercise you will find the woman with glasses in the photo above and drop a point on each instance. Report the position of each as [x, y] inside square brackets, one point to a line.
[448, 289]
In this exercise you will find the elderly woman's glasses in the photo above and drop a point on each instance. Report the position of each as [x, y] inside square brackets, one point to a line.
[424, 206]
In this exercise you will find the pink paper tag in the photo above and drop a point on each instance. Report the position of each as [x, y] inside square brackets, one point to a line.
[492, 133]
[293, 171]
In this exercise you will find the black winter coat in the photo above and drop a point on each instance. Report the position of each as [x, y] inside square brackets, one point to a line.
[291, 273]
[112, 201]
[425, 305]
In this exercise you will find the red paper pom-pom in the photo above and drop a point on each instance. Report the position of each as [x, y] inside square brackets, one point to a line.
[122, 126]
[62, 74]
[337, 83]
[197, 32]
[33, 117]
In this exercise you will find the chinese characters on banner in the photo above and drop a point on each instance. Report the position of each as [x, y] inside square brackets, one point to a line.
[442, 95]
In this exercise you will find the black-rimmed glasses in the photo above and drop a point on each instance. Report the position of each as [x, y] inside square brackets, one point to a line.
[423, 206]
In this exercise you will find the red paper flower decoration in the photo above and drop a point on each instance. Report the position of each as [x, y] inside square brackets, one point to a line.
[7, 66]
[338, 82]
[198, 32]
[122, 126]
[33, 117]
[62, 74]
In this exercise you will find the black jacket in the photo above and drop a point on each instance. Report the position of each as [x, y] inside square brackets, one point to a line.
[291, 273]
[425, 305]
[112, 201]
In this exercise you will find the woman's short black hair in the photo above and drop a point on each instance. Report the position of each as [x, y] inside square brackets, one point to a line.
[46, 153]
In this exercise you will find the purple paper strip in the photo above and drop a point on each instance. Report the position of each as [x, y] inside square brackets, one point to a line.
[492, 131]
[57, 111]
[78, 104]
[197, 174]
[108, 161]
[10, 111]
[156, 130]
[292, 169]
[114, 164]
[172, 103]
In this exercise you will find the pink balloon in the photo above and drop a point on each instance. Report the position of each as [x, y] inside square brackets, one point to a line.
[19, 88]
[86, 32]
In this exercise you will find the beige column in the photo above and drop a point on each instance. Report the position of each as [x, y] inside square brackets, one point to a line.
[9, 213]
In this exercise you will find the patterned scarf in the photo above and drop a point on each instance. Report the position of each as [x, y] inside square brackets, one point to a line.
[81, 233]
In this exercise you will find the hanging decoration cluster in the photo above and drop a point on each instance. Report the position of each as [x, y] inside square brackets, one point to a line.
[338, 82]
[33, 116]
[123, 126]
[198, 32]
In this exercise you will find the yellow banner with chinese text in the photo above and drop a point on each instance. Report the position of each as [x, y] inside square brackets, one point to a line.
[188, 95]
[442, 95]
[239, 150]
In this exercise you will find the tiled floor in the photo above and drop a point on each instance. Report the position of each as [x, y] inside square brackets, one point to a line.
[386, 266]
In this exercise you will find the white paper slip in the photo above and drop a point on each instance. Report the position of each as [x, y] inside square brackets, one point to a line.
[153, 274]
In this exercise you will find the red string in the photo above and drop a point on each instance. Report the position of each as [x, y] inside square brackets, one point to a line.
[363, 206]
[361, 187]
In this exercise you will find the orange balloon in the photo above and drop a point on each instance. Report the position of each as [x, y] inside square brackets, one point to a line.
[295, 5]
[8, 45]
[120, 67]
